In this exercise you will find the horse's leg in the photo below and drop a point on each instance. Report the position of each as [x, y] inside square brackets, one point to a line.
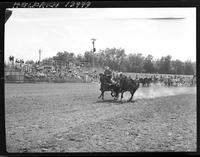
[100, 95]
[103, 95]
[112, 93]
[115, 97]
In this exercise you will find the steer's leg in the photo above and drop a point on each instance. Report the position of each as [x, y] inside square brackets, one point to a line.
[132, 93]
[131, 96]
[122, 95]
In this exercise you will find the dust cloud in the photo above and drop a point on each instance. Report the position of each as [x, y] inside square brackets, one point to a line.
[159, 91]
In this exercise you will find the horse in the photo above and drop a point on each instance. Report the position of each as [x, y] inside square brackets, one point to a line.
[107, 86]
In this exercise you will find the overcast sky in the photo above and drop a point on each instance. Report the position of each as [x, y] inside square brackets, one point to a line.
[155, 31]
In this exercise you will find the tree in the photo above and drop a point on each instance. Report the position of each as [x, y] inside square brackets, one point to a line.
[156, 64]
[117, 59]
[29, 62]
[177, 67]
[148, 64]
[194, 67]
[135, 62]
[112, 57]
[79, 59]
[64, 58]
[88, 58]
[120, 59]
[165, 65]
[47, 61]
[100, 58]
[188, 68]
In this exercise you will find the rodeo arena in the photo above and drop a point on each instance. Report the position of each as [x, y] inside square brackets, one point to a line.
[63, 107]
[50, 108]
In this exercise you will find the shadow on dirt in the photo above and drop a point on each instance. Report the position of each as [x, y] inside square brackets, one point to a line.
[116, 101]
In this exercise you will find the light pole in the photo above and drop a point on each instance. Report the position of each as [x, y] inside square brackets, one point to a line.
[93, 50]
[40, 55]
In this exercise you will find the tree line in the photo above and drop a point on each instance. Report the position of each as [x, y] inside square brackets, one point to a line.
[118, 60]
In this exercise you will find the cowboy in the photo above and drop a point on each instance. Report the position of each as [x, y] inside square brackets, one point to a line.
[108, 74]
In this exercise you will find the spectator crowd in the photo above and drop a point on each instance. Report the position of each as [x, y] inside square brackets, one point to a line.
[52, 73]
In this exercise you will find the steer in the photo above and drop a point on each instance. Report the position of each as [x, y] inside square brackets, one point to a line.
[127, 84]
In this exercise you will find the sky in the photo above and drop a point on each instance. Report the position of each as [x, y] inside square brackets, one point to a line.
[155, 31]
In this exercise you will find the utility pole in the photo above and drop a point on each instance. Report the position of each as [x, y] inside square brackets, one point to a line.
[39, 55]
[93, 50]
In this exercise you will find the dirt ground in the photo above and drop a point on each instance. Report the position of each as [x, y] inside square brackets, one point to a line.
[68, 117]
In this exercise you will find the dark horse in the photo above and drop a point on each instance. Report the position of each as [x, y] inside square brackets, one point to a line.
[128, 84]
[105, 86]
